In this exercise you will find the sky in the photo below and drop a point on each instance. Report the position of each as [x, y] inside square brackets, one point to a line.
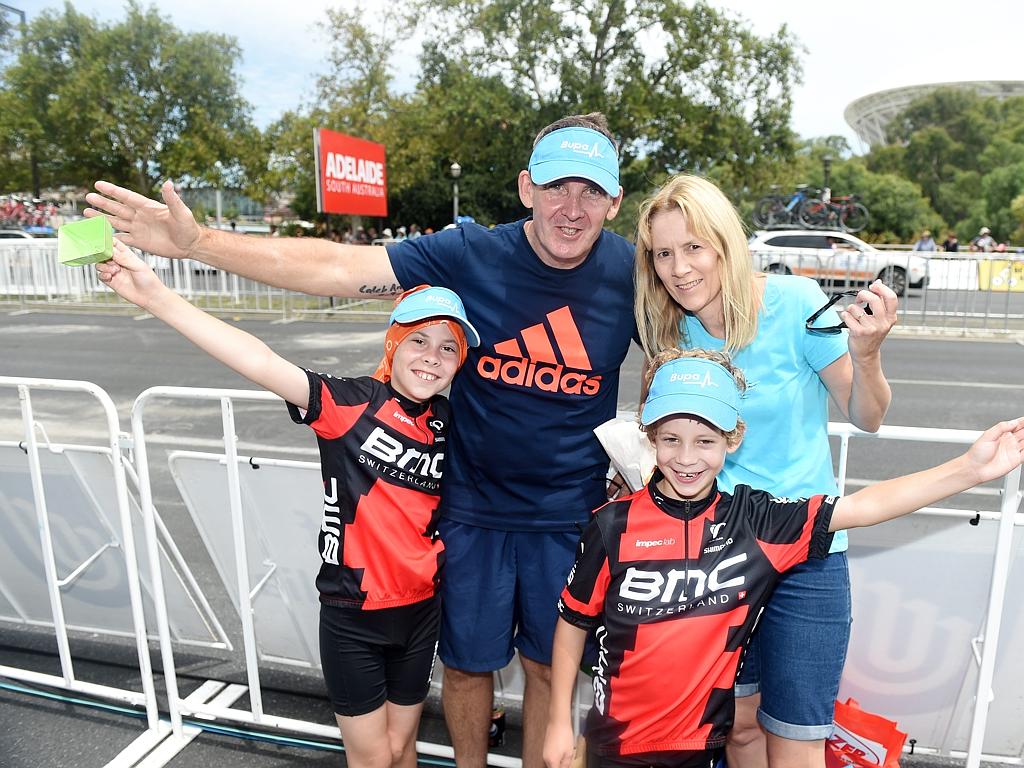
[852, 48]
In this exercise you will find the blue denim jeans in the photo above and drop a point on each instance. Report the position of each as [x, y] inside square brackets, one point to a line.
[796, 658]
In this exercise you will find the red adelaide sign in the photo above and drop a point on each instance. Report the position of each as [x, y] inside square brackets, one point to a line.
[350, 175]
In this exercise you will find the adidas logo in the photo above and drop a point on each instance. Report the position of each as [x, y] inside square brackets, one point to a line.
[540, 367]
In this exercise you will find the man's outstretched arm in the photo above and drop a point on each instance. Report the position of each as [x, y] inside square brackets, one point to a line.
[310, 265]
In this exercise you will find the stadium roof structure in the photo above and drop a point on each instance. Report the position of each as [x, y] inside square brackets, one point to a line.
[870, 115]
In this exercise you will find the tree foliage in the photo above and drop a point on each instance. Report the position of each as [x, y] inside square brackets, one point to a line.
[966, 152]
[134, 102]
[685, 86]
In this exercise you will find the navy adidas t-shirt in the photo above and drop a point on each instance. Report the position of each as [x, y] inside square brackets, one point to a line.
[522, 453]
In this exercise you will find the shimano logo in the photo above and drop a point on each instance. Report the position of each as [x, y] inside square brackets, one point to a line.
[581, 148]
[675, 586]
[647, 543]
[436, 424]
[702, 381]
[717, 547]
[716, 529]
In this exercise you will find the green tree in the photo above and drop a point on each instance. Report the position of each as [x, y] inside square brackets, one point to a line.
[710, 92]
[134, 101]
[965, 152]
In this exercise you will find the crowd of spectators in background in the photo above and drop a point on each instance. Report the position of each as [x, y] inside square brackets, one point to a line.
[19, 213]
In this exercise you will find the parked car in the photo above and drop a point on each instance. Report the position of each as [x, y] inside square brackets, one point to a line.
[836, 258]
[14, 234]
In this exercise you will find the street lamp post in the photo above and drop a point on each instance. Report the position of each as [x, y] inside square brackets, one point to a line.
[826, 193]
[456, 171]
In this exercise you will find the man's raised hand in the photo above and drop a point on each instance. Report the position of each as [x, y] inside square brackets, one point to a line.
[166, 230]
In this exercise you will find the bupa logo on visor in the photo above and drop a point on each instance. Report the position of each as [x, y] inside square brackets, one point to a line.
[576, 153]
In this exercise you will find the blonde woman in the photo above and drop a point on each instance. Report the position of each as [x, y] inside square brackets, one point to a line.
[696, 288]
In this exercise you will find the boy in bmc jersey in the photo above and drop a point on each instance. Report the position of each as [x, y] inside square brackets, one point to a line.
[382, 443]
[674, 576]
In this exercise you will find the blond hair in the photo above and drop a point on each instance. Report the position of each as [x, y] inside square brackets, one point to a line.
[712, 218]
[733, 436]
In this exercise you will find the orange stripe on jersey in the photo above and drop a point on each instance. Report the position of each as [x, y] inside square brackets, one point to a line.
[508, 348]
[650, 534]
[335, 420]
[567, 336]
[785, 556]
[665, 710]
[388, 544]
[537, 344]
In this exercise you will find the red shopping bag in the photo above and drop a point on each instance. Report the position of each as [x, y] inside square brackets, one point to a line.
[862, 739]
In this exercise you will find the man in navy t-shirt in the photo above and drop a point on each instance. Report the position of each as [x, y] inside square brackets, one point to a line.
[552, 298]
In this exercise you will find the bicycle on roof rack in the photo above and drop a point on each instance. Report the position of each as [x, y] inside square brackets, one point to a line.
[843, 213]
[775, 210]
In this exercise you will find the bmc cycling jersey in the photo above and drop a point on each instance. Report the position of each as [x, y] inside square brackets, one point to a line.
[380, 457]
[676, 588]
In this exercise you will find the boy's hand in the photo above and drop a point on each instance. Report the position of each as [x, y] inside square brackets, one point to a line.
[998, 451]
[868, 331]
[559, 745]
[167, 230]
[129, 276]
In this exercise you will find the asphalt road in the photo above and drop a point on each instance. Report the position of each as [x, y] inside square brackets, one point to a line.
[936, 383]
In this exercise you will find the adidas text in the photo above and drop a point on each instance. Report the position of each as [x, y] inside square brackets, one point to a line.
[550, 378]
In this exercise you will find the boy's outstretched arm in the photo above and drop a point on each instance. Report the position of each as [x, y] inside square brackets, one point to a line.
[566, 652]
[999, 450]
[132, 279]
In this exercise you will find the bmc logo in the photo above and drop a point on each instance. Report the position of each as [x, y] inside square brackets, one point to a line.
[540, 367]
[647, 586]
[391, 451]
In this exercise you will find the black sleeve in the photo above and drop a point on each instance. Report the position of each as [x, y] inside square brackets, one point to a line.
[582, 600]
[789, 531]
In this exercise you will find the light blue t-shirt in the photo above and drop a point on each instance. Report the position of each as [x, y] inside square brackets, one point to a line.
[785, 450]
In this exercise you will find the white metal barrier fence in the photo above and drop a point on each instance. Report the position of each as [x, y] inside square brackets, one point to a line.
[56, 582]
[250, 585]
[961, 293]
[31, 276]
[958, 293]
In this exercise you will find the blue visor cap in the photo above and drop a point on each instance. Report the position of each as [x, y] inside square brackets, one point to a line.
[694, 386]
[435, 302]
[576, 153]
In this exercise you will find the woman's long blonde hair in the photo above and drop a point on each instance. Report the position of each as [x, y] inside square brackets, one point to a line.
[712, 218]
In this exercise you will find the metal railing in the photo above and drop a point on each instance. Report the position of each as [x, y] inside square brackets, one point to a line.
[32, 277]
[962, 294]
[214, 700]
[55, 583]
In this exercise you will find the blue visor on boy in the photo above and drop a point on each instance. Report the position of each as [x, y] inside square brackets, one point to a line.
[435, 302]
[693, 386]
[576, 153]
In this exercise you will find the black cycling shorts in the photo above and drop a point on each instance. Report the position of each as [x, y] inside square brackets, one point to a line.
[369, 657]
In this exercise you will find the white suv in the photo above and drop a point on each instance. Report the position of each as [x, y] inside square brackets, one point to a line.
[835, 258]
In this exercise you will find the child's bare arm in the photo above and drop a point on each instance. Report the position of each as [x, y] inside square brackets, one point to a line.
[998, 451]
[132, 279]
[566, 652]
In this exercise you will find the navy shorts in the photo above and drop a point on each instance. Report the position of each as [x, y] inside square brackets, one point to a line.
[499, 593]
[797, 655]
[370, 657]
[706, 758]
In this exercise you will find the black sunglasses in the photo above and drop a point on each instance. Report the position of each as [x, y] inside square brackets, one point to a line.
[809, 323]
